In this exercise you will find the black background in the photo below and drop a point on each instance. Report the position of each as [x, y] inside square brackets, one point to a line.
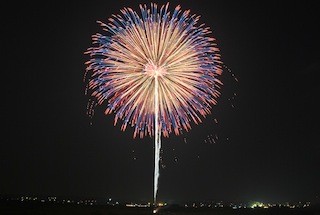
[267, 147]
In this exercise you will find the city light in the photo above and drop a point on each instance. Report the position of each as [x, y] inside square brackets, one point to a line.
[212, 205]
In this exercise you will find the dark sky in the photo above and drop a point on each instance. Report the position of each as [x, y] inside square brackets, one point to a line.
[266, 146]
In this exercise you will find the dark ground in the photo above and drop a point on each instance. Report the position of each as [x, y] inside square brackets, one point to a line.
[55, 209]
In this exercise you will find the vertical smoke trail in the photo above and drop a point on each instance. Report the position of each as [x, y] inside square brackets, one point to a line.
[157, 140]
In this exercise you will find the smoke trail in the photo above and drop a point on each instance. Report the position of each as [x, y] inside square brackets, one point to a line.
[157, 140]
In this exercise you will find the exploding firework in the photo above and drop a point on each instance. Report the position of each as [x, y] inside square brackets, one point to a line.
[157, 72]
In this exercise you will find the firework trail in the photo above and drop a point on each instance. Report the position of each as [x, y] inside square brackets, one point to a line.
[157, 72]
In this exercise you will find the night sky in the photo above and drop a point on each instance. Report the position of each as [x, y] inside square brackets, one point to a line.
[265, 145]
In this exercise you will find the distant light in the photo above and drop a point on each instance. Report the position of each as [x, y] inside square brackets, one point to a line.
[160, 204]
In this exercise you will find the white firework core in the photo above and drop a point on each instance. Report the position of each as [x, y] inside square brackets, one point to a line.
[152, 70]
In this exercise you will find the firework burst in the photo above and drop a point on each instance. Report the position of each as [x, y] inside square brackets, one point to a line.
[155, 51]
[157, 72]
